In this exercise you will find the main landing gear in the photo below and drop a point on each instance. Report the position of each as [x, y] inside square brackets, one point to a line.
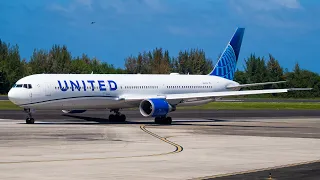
[29, 119]
[117, 117]
[163, 120]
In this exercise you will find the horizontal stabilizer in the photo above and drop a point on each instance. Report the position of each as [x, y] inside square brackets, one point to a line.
[253, 84]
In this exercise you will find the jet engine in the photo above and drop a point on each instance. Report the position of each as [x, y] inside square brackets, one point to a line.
[155, 107]
[73, 111]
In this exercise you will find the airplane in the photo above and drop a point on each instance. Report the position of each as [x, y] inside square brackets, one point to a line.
[156, 95]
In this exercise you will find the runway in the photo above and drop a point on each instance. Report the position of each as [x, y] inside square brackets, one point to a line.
[199, 145]
[4, 98]
[101, 115]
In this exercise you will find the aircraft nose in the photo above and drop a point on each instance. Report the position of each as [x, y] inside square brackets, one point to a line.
[12, 96]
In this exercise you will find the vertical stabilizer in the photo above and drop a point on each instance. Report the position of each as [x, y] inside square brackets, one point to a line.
[226, 65]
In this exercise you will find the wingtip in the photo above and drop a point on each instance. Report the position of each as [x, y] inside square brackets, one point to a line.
[300, 89]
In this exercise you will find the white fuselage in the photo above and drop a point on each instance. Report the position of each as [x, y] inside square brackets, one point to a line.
[101, 91]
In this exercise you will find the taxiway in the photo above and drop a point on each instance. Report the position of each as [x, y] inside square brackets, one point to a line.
[198, 145]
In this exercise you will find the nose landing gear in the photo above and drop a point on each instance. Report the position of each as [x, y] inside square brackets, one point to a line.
[29, 119]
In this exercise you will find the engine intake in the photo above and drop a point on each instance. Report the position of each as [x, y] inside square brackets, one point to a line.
[155, 107]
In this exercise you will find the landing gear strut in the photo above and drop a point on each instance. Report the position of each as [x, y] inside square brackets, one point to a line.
[117, 117]
[163, 120]
[29, 119]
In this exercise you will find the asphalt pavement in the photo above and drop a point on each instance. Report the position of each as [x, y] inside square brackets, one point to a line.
[252, 123]
[3, 98]
[102, 116]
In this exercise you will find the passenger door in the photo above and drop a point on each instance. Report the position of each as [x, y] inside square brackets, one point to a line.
[107, 92]
[27, 88]
[30, 95]
[47, 89]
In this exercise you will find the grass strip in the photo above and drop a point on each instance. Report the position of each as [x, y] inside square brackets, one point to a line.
[8, 105]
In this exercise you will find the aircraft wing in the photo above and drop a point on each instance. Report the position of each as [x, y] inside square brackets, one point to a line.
[209, 94]
[253, 84]
[230, 93]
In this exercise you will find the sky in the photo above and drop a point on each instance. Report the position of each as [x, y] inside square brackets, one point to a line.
[288, 29]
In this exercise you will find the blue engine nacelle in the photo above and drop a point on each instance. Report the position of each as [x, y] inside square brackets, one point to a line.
[155, 107]
[73, 111]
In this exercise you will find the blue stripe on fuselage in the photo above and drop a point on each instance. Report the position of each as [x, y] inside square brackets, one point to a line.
[66, 98]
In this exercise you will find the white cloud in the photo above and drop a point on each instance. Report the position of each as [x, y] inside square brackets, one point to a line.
[189, 31]
[266, 13]
[108, 13]
[60, 8]
[154, 4]
[291, 4]
[85, 3]
[272, 21]
[134, 7]
[118, 6]
[72, 6]
[176, 30]
[265, 5]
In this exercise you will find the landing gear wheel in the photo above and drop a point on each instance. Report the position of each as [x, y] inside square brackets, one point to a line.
[163, 120]
[29, 121]
[168, 120]
[117, 118]
[157, 120]
[122, 118]
[112, 117]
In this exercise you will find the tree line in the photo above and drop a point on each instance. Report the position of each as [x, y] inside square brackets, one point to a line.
[59, 59]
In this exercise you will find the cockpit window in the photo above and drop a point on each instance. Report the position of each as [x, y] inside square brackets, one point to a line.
[27, 86]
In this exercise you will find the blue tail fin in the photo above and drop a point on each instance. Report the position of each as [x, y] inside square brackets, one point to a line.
[226, 65]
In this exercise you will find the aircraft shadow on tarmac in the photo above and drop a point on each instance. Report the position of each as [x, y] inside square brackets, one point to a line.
[85, 120]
